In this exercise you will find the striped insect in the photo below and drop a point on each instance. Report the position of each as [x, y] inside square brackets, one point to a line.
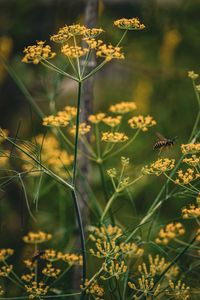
[163, 142]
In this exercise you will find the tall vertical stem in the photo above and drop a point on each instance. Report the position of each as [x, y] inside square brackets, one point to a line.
[77, 132]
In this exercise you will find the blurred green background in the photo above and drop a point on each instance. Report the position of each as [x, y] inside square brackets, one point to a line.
[154, 75]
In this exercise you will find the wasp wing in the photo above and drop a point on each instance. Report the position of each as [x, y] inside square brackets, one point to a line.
[160, 136]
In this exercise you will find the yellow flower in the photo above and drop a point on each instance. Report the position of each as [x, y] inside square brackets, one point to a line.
[190, 148]
[5, 270]
[61, 120]
[36, 290]
[50, 271]
[5, 254]
[4, 159]
[141, 122]
[109, 52]
[191, 212]
[93, 289]
[112, 122]
[71, 258]
[114, 137]
[71, 111]
[178, 290]
[192, 161]
[198, 88]
[114, 268]
[66, 32]
[131, 250]
[36, 53]
[169, 232]
[37, 237]
[158, 167]
[74, 51]
[186, 177]
[96, 118]
[193, 75]
[93, 32]
[83, 129]
[92, 43]
[129, 24]
[123, 107]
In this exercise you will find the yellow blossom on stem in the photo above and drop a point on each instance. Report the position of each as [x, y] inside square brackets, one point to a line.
[193, 161]
[5, 270]
[123, 107]
[36, 290]
[95, 119]
[71, 111]
[114, 268]
[56, 121]
[3, 134]
[71, 258]
[37, 237]
[83, 129]
[74, 51]
[193, 75]
[160, 166]
[190, 148]
[141, 122]
[187, 176]
[114, 137]
[93, 289]
[191, 212]
[129, 24]
[4, 159]
[36, 53]
[5, 254]
[112, 122]
[169, 232]
[178, 290]
[109, 52]
[50, 271]
[66, 32]
[93, 32]
[92, 43]
[131, 250]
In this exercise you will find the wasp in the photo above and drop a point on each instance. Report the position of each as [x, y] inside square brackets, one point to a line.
[163, 142]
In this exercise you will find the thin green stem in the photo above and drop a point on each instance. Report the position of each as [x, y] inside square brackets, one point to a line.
[123, 36]
[77, 132]
[108, 205]
[95, 70]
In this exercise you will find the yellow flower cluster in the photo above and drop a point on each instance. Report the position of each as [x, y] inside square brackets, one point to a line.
[109, 52]
[5, 254]
[93, 289]
[71, 258]
[112, 122]
[190, 148]
[123, 107]
[146, 286]
[50, 271]
[5, 270]
[36, 290]
[28, 277]
[57, 121]
[105, 232]
[74, 51]
[92, 43]
[131, 250]
[36, 53]
[193, 75]
[129, 24]
[83, 129]
[114, 137]
[192, 161]
[160, 166]
[50, 255]
[93, 32]
[112, 173]
[37, 237]
[66, 32]
[178, 290]
[191, 212]
[141, 122]
[114, 268]
[186, 177]
[95, 119]
[169, 232]
[71, 111]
